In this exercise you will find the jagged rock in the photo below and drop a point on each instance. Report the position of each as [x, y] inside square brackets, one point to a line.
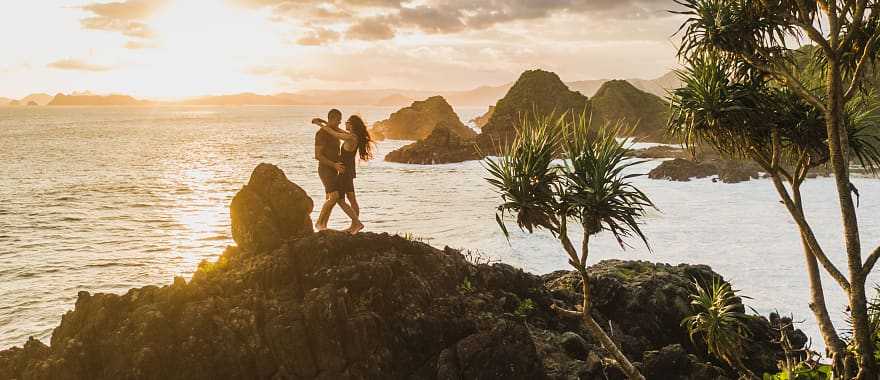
[330, 305]
[618, 100]
[269, 210]
[441, 147]
[418, 120]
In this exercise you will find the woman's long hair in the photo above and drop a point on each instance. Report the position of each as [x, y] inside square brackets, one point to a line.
[365, 142]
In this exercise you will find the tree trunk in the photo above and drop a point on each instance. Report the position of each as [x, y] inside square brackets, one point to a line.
[835, 346]
[840, 164]
[595, 330]
[599, 334]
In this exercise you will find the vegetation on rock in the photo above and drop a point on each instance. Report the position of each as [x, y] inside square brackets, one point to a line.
[588, 187]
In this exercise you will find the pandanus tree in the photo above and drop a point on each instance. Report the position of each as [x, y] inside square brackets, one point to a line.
[589, 187]
[746, 94]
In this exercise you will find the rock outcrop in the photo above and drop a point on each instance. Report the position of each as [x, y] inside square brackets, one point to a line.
[418, 120]
[728, 171]
[269, 210]
[330, 305]
[441, 147]
[618, 100]
[536, 91]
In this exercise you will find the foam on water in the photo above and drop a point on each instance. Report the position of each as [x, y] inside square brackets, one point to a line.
[106, 199]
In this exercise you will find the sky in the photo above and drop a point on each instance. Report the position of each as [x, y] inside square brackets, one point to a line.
[170, 49]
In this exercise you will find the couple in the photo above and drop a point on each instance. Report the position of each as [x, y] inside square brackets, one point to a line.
[336, 166]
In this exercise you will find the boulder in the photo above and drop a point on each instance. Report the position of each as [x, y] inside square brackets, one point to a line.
[419, 119]
[681, 169]
[441, 147]
[728, 171]
[269, 210]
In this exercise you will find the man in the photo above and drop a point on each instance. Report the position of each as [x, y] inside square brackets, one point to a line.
[329, 167]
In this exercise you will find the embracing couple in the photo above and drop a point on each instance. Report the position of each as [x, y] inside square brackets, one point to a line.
[336, 165]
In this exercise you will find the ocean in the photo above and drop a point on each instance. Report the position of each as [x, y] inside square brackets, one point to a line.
[106, 199]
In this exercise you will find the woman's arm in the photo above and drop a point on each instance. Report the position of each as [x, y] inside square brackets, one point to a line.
[344, 136]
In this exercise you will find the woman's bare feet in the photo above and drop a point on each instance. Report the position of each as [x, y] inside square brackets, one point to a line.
[355, 228]
[319, 227]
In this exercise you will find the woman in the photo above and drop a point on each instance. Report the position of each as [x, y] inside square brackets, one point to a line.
[356, 141]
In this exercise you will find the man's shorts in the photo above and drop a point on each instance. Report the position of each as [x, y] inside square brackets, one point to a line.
[329, 178]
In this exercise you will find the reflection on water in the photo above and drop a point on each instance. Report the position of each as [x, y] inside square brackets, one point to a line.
[108, 199]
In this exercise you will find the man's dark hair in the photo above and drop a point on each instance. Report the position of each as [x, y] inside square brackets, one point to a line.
[334, 113]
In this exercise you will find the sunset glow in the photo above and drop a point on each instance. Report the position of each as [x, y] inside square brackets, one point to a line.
[167, 49]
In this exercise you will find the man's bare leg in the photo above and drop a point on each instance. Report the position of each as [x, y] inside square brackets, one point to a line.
[326, 209]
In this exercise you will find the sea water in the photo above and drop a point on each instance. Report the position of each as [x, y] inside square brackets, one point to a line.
[106, 199]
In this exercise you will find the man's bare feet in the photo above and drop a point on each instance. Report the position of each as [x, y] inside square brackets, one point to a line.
[355, 228]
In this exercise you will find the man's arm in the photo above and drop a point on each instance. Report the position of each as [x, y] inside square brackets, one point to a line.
[323, 160]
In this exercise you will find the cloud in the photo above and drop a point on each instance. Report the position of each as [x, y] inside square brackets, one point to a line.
[126, 17]
[319, 36]
[382, 19]
[371, 29]
[75, 64]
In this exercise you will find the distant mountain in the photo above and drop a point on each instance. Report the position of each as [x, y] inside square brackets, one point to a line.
[40, 98]
[97, 100]
[621, 100]
[658, 86]
[243, 99]
[395, 100]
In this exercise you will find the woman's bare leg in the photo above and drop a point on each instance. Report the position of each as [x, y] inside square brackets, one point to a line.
[356, 224]
[324, 216]
[352, 200]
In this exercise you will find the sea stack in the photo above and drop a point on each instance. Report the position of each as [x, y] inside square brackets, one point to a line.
[418, 120]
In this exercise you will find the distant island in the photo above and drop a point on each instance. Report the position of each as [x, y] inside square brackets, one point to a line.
[97, 100]
[482, 96]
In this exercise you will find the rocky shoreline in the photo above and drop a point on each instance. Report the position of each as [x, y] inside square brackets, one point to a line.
[288, 303]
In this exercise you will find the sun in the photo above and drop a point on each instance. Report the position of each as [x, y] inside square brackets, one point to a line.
[207, 46]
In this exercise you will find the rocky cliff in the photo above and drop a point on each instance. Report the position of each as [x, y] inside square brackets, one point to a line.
[293, 304]
[419, 119]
